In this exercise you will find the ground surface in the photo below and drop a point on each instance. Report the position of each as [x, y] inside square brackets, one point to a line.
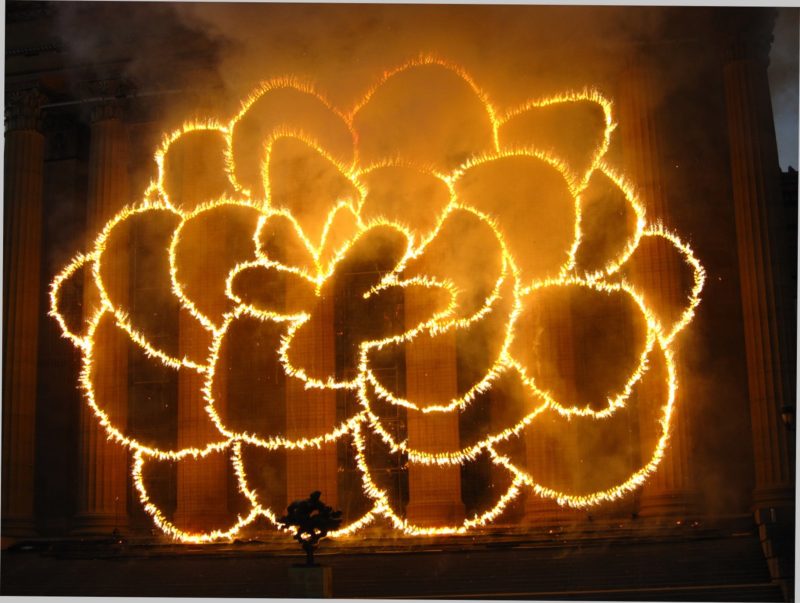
[723, 563]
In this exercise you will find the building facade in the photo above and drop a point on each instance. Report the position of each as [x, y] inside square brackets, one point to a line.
[696, 137]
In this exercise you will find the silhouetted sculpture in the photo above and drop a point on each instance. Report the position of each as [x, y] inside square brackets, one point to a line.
[314, 519]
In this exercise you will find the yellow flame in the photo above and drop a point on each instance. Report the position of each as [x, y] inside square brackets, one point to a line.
[508, 283]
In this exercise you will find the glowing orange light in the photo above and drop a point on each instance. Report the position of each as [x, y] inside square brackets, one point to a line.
[510, 283]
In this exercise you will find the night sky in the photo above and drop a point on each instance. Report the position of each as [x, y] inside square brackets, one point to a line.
[783, 72]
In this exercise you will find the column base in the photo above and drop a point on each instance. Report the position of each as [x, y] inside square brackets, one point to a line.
[776, 527]
[548, 513]
[18, 527]
[781, 495]
[432, 513]
[7, 542]
[201, 522]
[311, 581]
[99, 524]
[675, 504]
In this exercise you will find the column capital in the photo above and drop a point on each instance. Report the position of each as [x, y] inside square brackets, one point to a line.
[747, 34]
[640, 56]
[23, 109]
[203, 101]
[109, 97]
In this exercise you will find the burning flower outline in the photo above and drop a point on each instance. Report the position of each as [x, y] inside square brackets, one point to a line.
[508, 298]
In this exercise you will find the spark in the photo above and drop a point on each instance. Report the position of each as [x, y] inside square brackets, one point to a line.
[507, 300]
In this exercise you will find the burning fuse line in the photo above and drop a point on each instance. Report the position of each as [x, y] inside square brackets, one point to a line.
[328, 250]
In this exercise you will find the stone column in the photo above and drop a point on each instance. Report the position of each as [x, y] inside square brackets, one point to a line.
[548, 446]
[104, 468]
[24, 149]
[670, 490]
[312, 411]
[434, 491]
[202, 487]
[756, 187]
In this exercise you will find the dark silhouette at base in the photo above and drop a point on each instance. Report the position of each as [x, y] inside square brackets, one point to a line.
[314, 519]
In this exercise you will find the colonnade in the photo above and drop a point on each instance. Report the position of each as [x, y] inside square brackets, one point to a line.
[756, 187]
[434, 492]
[24, 163]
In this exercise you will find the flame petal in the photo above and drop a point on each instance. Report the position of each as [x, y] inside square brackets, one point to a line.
[586, 471]
[531, 198]
[281, 105]
[192, 166]
[426, 111]
[196, 525]
[574, 126]
[208, 244]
